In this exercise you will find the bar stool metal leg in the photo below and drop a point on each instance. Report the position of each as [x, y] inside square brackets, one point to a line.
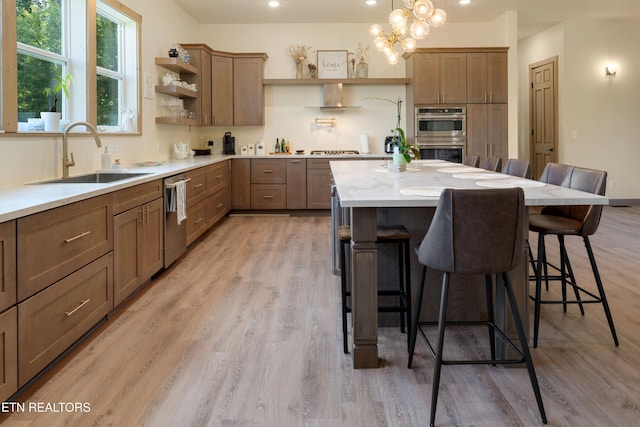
[439, 347]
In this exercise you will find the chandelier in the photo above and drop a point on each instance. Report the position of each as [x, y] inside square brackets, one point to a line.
[425, 16]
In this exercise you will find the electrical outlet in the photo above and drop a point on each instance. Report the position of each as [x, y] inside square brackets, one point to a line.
[612, 183]
[574, 134]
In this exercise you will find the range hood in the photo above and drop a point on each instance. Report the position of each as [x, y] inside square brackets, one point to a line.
[333, 98]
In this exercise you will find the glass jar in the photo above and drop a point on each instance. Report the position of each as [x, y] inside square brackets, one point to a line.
[362, 70]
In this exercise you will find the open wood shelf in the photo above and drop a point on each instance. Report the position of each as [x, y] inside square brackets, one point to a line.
[373, 81]
[178, 92]
[176, 65]
[177, 121]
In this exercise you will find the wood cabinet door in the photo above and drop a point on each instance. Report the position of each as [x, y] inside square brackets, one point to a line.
[204, 89]
[453, 78]
[268, 196]
[477, 91]
[268, 171]
[241, 184]
[126, 240]
[318, 189]
[196, 186]
[150, 239]
[221, 90]
[296, 184]
[487, 130]
[497, 81]
[477, 120]
[248, 91]
[8, 353]
[426, 78]
[497, 130]
[8, 290]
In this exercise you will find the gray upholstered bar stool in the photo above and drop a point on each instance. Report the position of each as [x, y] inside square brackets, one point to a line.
[517, 167]
[475, 232]
[393, 234]
[471, 160]
[492, 163]
[564, 221]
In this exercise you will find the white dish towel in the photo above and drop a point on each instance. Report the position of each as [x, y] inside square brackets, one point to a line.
[181, 201]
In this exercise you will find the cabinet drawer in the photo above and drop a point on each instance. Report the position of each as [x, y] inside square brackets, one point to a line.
[51, 321]
[268, 171]
[197, 186]
[8, 353]
[7, 264]
[266, 196]
[218, 177]
[218, 206]
[318, 163]
[55, 243]
[129, 198]
[196, 221]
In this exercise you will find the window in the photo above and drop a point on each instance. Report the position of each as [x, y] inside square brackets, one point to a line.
[93, 45]
[42, 60]
[116, 66]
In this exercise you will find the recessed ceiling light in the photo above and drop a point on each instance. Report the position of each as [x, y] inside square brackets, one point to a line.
[371, 2]
[274, 3]
[464, 1]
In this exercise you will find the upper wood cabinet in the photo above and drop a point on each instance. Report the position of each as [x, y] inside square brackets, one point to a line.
[248, 90]
[221, 90]
[438, 78]
[201, 59]
[487, 77]
[237, 93]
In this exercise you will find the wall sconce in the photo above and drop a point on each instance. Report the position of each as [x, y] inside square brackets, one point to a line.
[329, 123]
[611, 70]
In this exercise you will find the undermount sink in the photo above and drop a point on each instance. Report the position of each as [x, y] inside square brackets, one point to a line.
[95, 178]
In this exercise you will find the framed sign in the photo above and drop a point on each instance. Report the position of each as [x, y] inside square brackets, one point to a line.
[332, 64]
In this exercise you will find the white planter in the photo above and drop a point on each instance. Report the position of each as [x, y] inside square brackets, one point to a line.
[51, 121]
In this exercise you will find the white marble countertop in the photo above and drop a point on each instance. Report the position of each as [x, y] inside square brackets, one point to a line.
[27, 199]
[368, 183]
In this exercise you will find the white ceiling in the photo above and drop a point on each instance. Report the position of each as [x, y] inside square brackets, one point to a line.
[533, 15]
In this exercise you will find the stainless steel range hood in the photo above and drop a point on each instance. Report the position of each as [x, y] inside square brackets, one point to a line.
[333, 98]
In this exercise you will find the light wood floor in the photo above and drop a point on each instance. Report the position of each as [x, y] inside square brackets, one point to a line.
[245, 331]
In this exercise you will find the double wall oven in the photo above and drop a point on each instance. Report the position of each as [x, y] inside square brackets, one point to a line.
[441, 132]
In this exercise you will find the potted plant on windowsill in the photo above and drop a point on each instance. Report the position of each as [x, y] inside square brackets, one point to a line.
[51, 118]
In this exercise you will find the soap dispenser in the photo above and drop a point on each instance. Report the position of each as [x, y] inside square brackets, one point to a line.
[106, 159]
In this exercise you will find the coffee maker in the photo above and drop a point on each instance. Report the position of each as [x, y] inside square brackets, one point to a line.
[229, 143]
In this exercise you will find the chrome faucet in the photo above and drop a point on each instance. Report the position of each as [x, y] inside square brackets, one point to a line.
[66, 163]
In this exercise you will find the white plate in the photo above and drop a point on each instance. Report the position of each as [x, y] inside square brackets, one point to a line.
[426, 191]
[510, 183]
[385, 170]
[480, 175]
[459, 169]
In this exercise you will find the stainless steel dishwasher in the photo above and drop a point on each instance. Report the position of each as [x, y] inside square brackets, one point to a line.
[175, 235]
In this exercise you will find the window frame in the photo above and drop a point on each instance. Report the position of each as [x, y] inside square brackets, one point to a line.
[82, 63]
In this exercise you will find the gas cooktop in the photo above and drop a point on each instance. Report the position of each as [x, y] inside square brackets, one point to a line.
[333, 152]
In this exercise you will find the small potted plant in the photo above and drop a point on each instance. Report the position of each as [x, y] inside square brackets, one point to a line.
[51, 118]
[404, 148]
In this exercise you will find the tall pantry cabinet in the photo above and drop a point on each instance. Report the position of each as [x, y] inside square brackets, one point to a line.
[472, 77]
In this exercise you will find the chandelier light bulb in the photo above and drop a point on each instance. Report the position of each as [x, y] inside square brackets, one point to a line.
[379, 42]
[420, 30]
[376, 30]
[393, 58]
[398, 18]
[423, 9]
[438, 18]
[408, 44]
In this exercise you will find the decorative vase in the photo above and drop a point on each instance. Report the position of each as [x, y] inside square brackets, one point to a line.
[362, 70]
[51, 121]
[299, 70]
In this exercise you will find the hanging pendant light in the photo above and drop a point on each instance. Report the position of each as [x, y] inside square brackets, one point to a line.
[425, 16]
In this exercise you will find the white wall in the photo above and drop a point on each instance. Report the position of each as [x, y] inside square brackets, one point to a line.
[601, 110]
[285, 112]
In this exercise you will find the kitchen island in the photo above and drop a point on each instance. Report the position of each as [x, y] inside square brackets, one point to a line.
[376, 195]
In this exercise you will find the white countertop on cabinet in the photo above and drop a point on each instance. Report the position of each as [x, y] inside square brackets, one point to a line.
[369, 184]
